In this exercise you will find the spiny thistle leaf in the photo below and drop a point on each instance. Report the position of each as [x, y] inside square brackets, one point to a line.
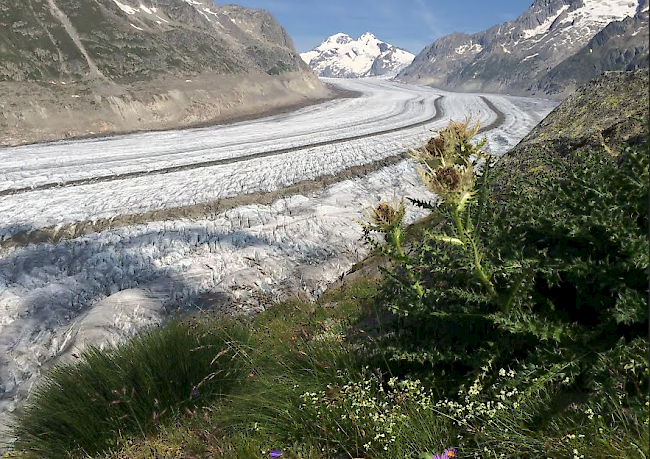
[429, 205]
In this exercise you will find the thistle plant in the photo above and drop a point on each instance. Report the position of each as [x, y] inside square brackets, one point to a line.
[388, 219]
[446, 166]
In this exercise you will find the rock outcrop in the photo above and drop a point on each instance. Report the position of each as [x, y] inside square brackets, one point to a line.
[604, 115]
[621, 45]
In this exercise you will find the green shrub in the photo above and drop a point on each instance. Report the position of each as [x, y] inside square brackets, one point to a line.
[556, 278]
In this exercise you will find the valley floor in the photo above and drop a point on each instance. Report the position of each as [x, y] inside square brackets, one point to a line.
[101, 236]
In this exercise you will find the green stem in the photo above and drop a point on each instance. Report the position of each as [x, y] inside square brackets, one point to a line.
[482, 196]
[478, 269]
[395, 238]
[459, 225]
[507, 305]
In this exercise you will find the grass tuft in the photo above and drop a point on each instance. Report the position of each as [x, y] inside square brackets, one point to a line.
[82, 408]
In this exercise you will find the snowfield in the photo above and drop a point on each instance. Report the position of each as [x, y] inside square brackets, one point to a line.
[98, 288]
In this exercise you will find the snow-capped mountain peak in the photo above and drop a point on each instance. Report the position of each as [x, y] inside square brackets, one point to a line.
[519, 56]
[343, 57]
[335, 41]
[367, 37]
[590, 16]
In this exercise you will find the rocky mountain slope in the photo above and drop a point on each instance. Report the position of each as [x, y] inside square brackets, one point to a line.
[119, 65]
[621, 45]
[341, 56]
[553, 47]
[602, 115]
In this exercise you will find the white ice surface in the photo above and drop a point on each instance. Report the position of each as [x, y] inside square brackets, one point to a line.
[100, 287]
[574, 28]
[546, 25]
[383, 105]
[602, 12]
[64, 161]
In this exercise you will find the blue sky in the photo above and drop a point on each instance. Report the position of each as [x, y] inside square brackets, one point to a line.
[409, 24]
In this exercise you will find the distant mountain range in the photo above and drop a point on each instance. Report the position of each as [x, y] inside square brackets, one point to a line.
[552, 48]
[341, 56]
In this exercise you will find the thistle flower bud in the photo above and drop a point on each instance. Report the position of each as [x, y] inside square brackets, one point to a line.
[426, 159]
[435, 145]
[445, 164]
[385, 217]
[463, 130]
[451, 145]
[448, 177]
[450, 183]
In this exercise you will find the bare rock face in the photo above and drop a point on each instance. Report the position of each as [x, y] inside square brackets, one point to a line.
[552, 48]
[105, 66]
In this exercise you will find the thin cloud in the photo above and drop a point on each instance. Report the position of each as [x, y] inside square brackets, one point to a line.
[412, 45]
[305, 43]
[430, 19]
[411, 24]
[508, 17]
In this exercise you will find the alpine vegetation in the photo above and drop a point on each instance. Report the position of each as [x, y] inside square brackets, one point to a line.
[447, 169]
[527, 313]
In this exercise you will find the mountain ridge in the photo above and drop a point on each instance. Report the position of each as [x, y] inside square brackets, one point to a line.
[123, 41]
[512, 57]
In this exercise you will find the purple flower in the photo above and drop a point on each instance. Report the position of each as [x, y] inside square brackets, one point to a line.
[195, 393]
[435, 456]
[449, 453]
[274, 453]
